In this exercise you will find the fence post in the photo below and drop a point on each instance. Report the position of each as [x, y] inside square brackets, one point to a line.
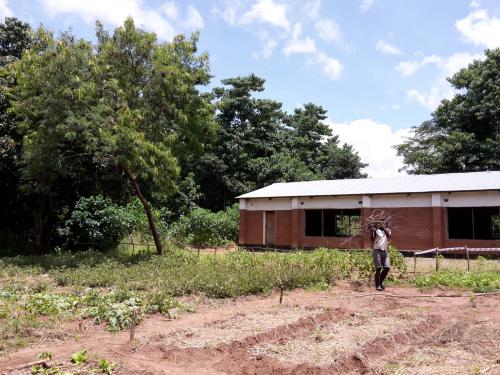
[468, 259]
[415, 263]
[133, 248]
[437, 258]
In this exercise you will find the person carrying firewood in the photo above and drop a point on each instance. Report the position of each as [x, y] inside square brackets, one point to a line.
[380, 238]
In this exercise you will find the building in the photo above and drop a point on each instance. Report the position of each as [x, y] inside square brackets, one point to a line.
[442, 210]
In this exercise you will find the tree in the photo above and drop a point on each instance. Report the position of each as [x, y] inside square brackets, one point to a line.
[15, 37]
[52, 79]
[312, 141]
[309, 132]
[125, 110]
[149, 112]
[335, 163]
[463, 133]
[248, 128]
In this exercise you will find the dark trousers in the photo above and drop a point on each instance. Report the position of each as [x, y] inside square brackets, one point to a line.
[382, 265]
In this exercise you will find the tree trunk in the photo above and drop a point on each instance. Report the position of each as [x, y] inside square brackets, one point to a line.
[149, 214]
[39, 227]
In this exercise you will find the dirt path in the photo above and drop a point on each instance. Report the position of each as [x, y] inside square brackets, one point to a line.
[341, 330]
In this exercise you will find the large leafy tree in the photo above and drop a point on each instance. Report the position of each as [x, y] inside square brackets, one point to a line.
[15, 37]
[149, 113]
[52, 90]
[126, 110]
[463, 133]
[309, 132]
[258, 144]
[248, 129]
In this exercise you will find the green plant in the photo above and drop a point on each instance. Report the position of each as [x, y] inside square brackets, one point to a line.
[49, 304]
[45, 355]
[96, 222]
[106, 367]
[79, 358]
[205, 228]
[39, 369]
[160, 302]
[478, 281]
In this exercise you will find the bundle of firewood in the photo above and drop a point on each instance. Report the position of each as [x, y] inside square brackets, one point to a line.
[378, 218]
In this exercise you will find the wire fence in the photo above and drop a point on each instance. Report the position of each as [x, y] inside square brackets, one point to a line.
[454, 250]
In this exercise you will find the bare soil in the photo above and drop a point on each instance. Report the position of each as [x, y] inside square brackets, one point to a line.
[348, 329]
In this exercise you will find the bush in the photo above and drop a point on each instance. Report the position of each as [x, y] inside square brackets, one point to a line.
[96, 222]
[139, 220]
[206, 228]
[477, 281]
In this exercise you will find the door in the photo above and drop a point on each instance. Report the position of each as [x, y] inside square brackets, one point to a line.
[270, 228]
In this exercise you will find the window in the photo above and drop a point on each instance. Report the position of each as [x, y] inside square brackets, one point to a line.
[313, 222]
[332, 223]
[474, 223]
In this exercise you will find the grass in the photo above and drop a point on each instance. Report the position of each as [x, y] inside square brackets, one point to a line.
[428, 265]
[40, 294]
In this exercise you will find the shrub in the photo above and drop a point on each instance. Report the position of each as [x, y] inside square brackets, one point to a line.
[477, 281]
[206, 228]
[98, 222]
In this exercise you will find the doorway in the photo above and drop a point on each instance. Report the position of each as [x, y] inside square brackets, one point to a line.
[270, 228]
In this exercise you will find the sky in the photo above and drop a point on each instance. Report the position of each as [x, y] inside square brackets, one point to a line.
[378, 67]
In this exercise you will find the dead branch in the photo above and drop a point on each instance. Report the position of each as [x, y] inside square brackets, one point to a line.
[378, 218]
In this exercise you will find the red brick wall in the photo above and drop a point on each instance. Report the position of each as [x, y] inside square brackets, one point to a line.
[283, 228]
[416, 228]
[251, 227]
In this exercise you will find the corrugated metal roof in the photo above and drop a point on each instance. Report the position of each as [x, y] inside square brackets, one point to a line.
[388, 185]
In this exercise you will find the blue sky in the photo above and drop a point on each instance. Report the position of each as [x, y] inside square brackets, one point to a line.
[377, 66]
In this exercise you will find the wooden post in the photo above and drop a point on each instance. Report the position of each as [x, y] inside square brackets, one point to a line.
[437, 259]
[468, 259]
[132, 324]
[281, 294]
[133, 248]
[198, 251]
[415, 263]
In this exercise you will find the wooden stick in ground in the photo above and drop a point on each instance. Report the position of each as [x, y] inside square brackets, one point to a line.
[42, 363]
[132, 324]
[415, 264]
[437, 259]
[467, 255]
[281, 294]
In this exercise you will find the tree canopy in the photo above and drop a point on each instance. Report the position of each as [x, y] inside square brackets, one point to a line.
[128, 115]
[463, 133]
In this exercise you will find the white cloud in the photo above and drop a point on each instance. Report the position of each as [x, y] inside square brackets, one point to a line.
[331, 66]
[170, 9]
[267, 49]
[475, 4]
[329, 31]
[267, 11]
[387, 48]
[297, 44]
[112, 11]
[408, 68]
[229, 12]
[366, 5]
[194, 20]
[374, 142]
[311, 9]
[440, 89]
[5, 10]
[480, 28]
[396, 107]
